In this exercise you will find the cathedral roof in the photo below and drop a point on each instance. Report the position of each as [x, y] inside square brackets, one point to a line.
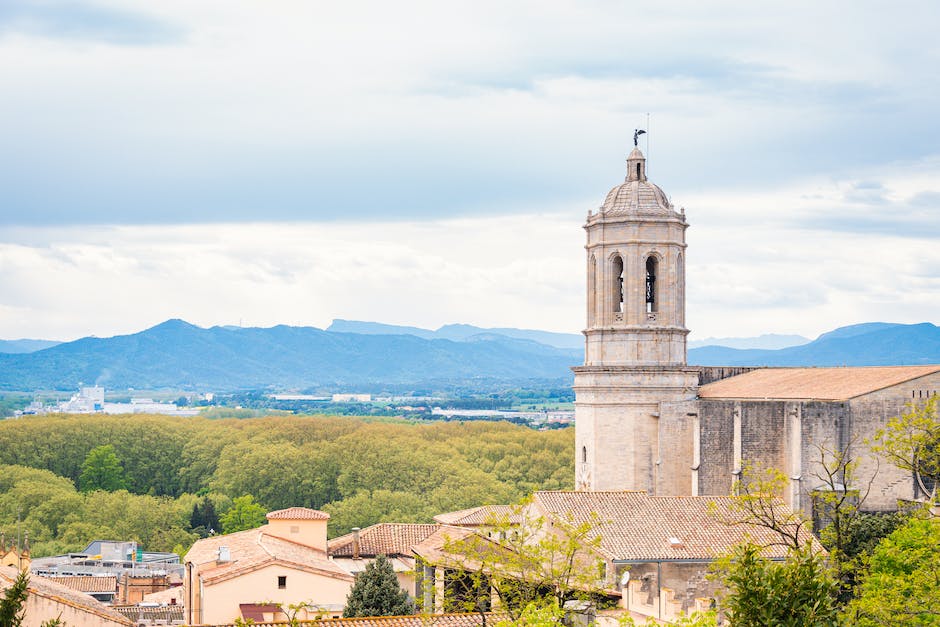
[636, 194]
[829, 384]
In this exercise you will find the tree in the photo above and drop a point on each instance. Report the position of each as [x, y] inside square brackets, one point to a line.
[797, 592]
[911, 442]
[204, 520]
[376, 592]
[903, 586]
[526, 559]
[13, 601]
[758, 503]
[101, 470]
[244, 514]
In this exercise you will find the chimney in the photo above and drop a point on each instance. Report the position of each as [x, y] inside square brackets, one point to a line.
[355, 543]
[225, 555]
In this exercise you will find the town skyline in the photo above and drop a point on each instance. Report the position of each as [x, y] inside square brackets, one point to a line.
[231, 163]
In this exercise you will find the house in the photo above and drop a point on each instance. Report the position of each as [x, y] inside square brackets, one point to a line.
[255, 573]
[14, 556]
[655, 551]
[47, 600]
[353, 551]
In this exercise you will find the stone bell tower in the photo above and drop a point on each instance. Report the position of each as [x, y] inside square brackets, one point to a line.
[635, 396]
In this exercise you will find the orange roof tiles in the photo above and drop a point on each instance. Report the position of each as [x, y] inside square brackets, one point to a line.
[52, 591]
[482, 515]
[297, 513]
[423, 620]
[383, 539]
[639, 527]
[87, 583]
[254, 549]
[830, 384]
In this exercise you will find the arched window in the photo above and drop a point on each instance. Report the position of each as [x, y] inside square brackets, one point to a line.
[617, 284]
[680, 290]
[652, 267]
[592, 290]
[583, 454]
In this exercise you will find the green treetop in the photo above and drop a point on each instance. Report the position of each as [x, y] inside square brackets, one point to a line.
[377, 593]
[102, 470]
[244, 514]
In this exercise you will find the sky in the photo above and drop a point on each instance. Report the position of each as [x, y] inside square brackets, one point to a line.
[423, 163]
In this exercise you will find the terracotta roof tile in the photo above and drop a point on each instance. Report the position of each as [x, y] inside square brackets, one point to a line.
[40, 586]
[476, 516]
[382, 539]
[637, 526]
[423, 620]
[830, 384]
[297, 513]
[254, 549]
[87, 583]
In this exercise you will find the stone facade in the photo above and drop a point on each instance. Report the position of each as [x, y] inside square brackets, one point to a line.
[640, 422]
[635, 375]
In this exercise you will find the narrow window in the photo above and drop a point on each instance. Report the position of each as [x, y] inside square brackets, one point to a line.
[592, 291]
[281, 582]
[638, 172]
[583, 454]
[680, 290]
[617, 286]
[651, 268]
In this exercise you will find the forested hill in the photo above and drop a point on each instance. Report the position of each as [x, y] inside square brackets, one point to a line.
[359, 472]
[176, 354]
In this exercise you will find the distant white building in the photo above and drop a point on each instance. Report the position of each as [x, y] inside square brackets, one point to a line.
[90, 400]
[352, 398]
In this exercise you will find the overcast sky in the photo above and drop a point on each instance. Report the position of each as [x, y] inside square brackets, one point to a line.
[273, 161]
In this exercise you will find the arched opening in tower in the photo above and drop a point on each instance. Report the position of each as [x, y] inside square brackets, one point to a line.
[617, 286]
[652, 266]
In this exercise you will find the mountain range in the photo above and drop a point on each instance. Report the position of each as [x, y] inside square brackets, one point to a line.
[179, 355]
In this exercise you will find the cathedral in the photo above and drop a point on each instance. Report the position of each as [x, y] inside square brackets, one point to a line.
[646, 420]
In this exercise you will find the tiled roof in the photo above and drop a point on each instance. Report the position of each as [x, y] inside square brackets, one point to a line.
[431, 549]
[382, 539]
[637, 526]
[423, 620]
[57, 593]
[297, 513]
[482, 515]
[253, 549]
[830, 384]
[87, 583]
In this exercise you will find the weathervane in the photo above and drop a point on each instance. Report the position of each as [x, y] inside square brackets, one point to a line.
[636, 136]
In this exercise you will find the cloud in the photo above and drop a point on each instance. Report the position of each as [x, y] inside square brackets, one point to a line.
[85, 20]
[368, 110]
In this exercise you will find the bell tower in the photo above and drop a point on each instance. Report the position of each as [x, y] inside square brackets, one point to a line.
[635, 395]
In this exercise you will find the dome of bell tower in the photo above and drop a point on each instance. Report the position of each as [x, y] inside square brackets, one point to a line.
[636, 194]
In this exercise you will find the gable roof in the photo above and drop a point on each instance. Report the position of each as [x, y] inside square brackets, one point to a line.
[86, 583]
[829, 384]
[475, 516]
[634, 526]
[297, 513]
[254, 549]
[57, 593]
[432, 548]
[382, 539]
